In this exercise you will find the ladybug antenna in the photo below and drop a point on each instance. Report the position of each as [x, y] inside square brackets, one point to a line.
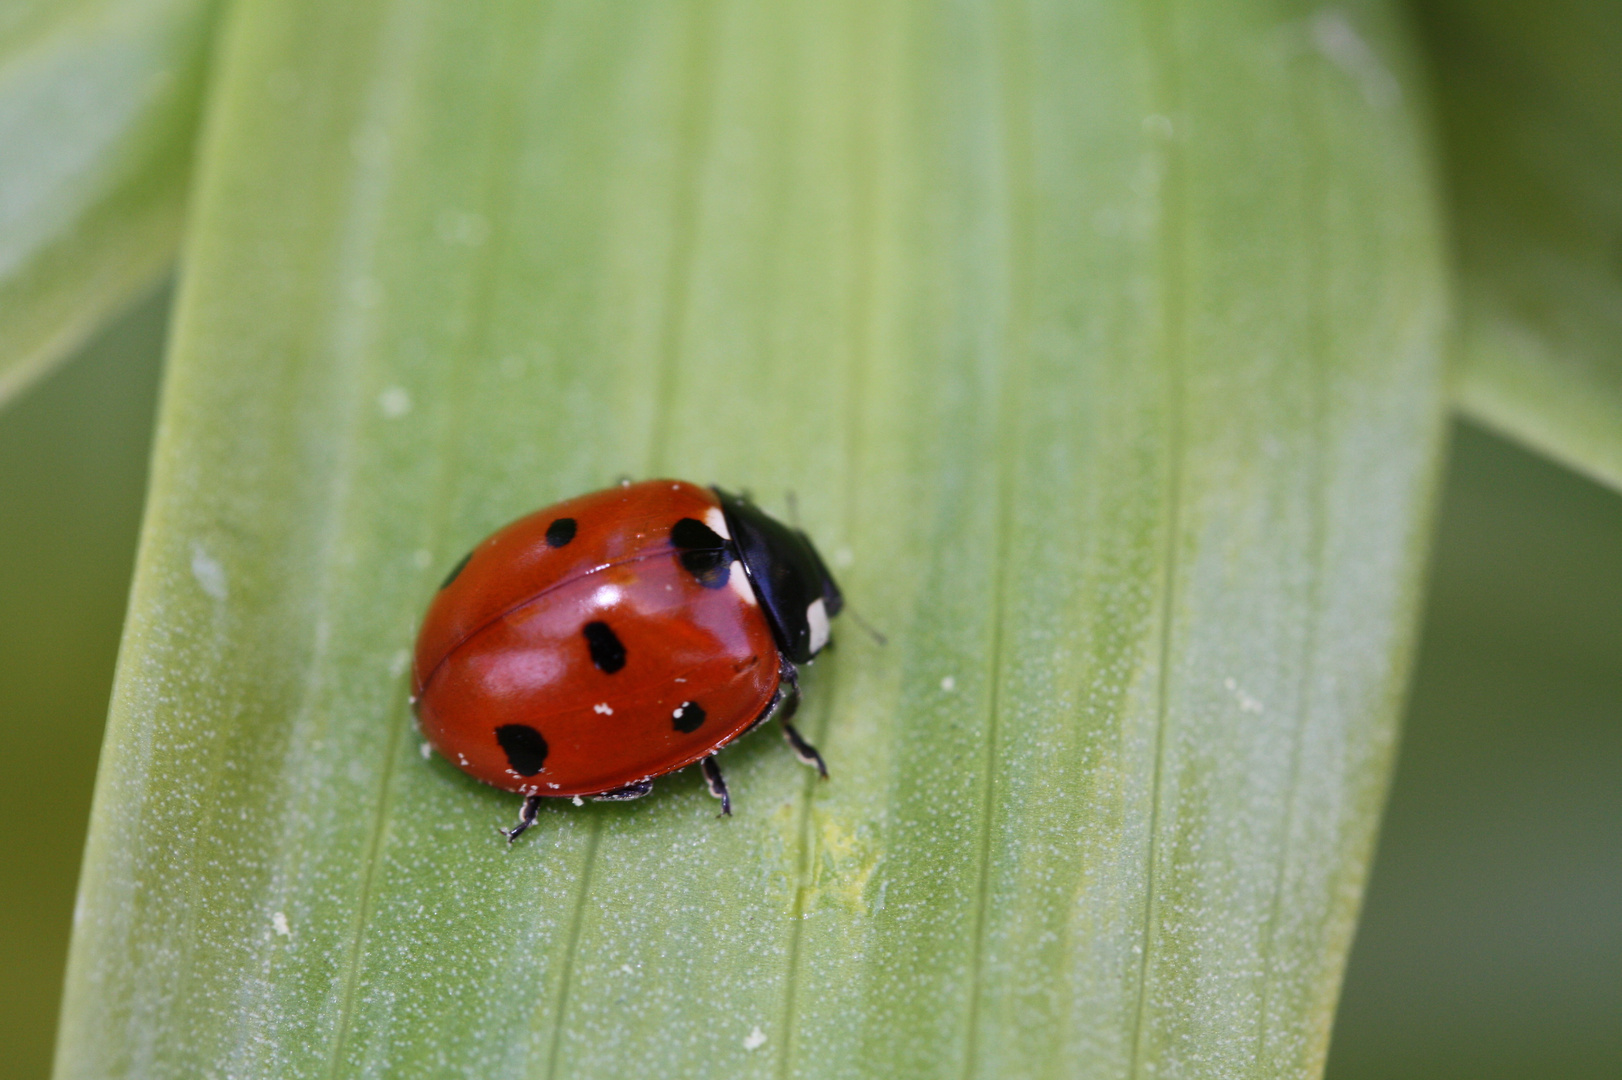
[872, 631]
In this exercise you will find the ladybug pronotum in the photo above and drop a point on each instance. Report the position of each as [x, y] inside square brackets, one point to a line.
[600, 643]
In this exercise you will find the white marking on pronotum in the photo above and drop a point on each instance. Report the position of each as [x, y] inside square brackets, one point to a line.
[602, 709]
[209, 573]
[717, 521]
[738, 582]
[755, 1039]
[817, 616]
[278, 922]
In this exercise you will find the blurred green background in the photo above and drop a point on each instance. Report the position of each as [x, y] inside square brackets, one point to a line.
[1491, 945]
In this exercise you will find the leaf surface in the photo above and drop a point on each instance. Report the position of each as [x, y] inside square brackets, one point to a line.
[98, 111]
[1527, 97]
[1101, 347]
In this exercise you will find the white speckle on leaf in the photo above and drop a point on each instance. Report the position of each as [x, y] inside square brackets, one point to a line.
[399, 662]
[1159, 125]
[426, 750]
[949, 684]
[278, 921]
[394, 402]
[209, 573]
[844, 557]
[422, 558]
[755, 1039]
[1338, 40]
[464, 227]
[1246, 702]
[578, 801]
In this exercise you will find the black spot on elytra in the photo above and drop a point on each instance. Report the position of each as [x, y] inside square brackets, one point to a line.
[560, 532]
[693, 534]
[455, 570]
[606, 650]
[689, 717]
[702, 551]
[526, 749]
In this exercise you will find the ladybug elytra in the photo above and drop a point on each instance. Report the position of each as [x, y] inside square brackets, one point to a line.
[593, 646]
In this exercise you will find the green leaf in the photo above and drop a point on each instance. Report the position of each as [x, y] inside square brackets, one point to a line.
[1101, 346]
[98, 110]
[1527, 97]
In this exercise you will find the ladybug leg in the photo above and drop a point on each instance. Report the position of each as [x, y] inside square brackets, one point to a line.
[718, 785]
[785, 709]
[626, 793]
[804, 750]
[526, 818]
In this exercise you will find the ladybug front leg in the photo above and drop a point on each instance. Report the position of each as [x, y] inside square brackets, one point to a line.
[526, 818]
[803, 750]
[785, 710]
[718, 785]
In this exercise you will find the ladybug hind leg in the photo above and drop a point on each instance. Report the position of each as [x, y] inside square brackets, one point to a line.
[626, 793]
[717, 784]
[526, 818]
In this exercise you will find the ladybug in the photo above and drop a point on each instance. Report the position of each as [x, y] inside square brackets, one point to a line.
[600, 643]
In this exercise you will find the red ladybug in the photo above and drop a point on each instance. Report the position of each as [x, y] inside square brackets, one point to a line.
[607, 640]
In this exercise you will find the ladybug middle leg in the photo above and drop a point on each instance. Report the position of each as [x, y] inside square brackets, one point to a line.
[717, 785]
[526, 818]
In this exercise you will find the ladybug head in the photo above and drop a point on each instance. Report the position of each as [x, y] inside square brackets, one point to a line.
[795, 589]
